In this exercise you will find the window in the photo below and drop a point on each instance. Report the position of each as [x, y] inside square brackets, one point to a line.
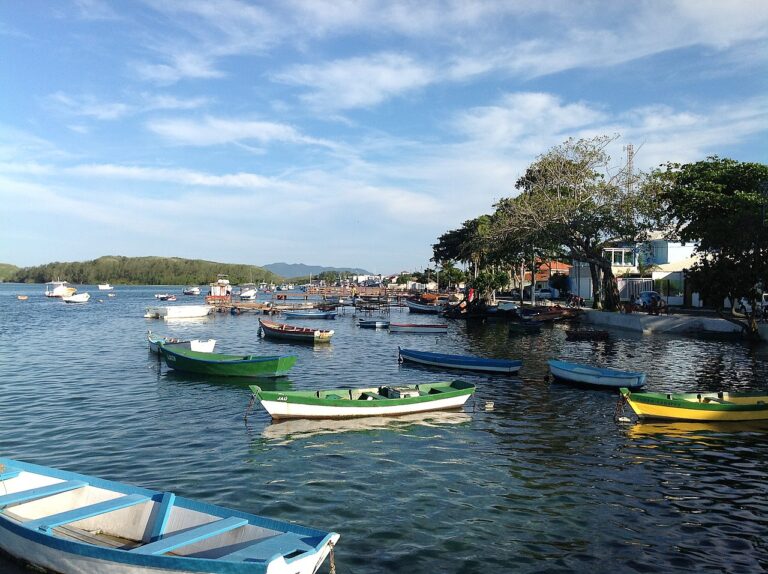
[620, 257]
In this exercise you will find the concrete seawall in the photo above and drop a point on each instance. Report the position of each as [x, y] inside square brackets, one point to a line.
[683, 324]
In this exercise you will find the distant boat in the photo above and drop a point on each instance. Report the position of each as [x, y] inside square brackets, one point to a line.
[191, 291]
[223, 365]
[426, 329]
[22, 297]
[165, 297]
[198, 345]
[310, 314]
[79, 298]
[221, 291]
[370, 401]
[178, 312]
[373, 323]
[704, 406]
[595, 376]
[105, 287]
[464, 362]
[294, 333]
[421, 307]
[248, 292]
[61, 521]
[59, 289]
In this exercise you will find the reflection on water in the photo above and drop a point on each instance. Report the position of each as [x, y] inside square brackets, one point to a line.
[543, 482]
[303, 428]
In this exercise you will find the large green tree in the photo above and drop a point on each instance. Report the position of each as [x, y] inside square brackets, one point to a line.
[721, 205]
[572, 203]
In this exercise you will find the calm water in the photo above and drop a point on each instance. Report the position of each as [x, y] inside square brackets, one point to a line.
[543, 482]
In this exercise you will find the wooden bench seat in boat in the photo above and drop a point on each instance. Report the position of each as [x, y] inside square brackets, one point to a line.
[7, 472]
[371, 396]
[191, 536]
[262, 550]
[49, 522]
[40, 492]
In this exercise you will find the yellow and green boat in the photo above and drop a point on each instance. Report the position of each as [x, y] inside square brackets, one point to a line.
[222, 365]
[720, 406]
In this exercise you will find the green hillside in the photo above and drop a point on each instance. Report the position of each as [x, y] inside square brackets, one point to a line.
[120, 270]
[7, 271]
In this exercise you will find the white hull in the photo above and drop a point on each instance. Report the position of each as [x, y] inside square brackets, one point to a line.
[589, 377]
[286, 410]
[105, 287]
[178, 312]
[79, 298]
[198, 345]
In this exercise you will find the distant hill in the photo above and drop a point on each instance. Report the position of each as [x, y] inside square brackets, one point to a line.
[7, 271]
[143, 271]
[290, 270]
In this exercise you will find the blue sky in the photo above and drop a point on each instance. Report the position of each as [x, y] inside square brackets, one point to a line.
[341, 133]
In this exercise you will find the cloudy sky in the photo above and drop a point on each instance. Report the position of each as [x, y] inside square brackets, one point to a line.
[341, 133]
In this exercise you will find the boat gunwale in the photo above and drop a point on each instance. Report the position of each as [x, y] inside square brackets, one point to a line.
[233, 360]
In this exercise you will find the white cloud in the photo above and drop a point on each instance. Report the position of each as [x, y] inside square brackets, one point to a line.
[217, 131]
[358, 82]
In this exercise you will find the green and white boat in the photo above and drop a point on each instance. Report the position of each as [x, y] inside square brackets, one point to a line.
[222, 365]
[365, 402]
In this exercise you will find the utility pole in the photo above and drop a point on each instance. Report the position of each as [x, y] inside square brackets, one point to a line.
[630, 149]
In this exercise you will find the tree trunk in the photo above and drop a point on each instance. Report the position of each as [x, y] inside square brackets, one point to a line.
[594, 272]
[610, 289]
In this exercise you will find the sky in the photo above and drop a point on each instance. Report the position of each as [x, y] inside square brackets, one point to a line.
[342, 133]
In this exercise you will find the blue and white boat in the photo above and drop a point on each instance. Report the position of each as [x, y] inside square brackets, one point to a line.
[311, 314]
[464, 362]
[373, 323]
[70, 523]
[588, 375]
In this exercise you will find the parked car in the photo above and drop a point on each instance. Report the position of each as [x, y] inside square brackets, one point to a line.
[762, 304]
[546, 293]
[646, 299]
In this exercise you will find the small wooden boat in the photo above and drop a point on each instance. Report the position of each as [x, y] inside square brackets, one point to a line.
[588, 375]
[78, 298]
[416, 306]
[198, 345]
[721, 406]
[178, 312]
[423, 328]
[310, 314]
[60, 521]
[294, 333]
[586, 335]
[22, 297]
[465, 362]
[222, 365]
[371, 401]
[373, 323]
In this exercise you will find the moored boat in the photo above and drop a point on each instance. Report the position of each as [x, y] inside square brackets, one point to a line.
[220, 291]
[373, 323]
[424, 328]
[464, 362]
[105, 287]
[588, 375]
[59, 289]
[69, 523]
[418, 306]
[165, 296]
[295, 333]
[22, 297]
[370, 401]
[703, 406]
[178, 312]
[192, 290]
[202, 346]
[222, 365]
[310, 314]
[248, 292]
[77, 298]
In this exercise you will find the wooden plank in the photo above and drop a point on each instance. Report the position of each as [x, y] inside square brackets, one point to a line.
[161, 519]
[40, 492]
[48, 522]
[191, 536]
[265, 549]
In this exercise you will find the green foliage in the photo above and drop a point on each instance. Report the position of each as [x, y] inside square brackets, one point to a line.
[721, 204]
[560, 282]
[143, 271]
[7, 271]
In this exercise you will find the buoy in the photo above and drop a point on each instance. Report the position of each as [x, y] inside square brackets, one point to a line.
[488, 405]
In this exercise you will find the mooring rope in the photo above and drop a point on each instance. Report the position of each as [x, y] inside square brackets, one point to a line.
[249, 407]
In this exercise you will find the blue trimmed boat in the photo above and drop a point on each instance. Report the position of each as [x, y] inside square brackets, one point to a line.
[464, 362]
[587, 375]
[373, 323]
[72, 523]
[310, 314]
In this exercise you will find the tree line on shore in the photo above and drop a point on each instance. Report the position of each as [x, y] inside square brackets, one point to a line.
[142, 271]
[571, 205]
